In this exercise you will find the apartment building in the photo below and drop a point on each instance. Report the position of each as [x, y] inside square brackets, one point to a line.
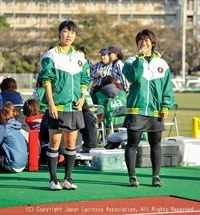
[21, 14]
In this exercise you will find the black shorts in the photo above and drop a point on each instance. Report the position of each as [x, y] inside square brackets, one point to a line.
[69, 121]
[143, 123]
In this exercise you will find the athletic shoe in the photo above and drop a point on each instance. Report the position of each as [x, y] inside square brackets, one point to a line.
[156, 181]
[133, 182]
[55, 185]
[68, 184]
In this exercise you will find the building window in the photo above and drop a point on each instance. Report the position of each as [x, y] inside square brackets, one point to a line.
[198, 4]
[190, 5]
[198, 34]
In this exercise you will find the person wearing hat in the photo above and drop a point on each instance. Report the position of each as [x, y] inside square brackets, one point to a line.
[99, 71]
[116, 57]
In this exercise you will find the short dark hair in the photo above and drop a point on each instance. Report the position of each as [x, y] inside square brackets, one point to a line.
[146, 33]
[70, 25]
[109, 79]
[8, 84]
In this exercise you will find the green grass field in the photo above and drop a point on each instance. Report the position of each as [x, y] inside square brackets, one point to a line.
[189, 107]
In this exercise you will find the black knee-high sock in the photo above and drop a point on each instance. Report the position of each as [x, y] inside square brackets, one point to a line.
[52, 159]
[70, 156]
[156, 159]
[130, 158]
[130, 151]
[156, 152]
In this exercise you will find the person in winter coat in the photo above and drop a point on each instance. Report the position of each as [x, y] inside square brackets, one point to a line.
[110, 96]
[115, 57]
[9, 94]
[65, 75]
[31, 110]
[13, 147]
[99, 71]
[150, 97]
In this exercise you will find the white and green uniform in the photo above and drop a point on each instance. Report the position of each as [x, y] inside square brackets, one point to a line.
[151, 87]
[68, 74]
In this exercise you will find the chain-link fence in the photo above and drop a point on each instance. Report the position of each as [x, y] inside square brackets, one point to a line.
[24, 80]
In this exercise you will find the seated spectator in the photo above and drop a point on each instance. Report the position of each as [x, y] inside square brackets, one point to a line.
[13, 148]
[35, 121]
[11, 108]
[33, 115]
[9, 94]
[15, 113]
[110, 96]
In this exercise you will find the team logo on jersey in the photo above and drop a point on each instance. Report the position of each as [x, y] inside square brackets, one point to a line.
[80, 63]
[160, 70]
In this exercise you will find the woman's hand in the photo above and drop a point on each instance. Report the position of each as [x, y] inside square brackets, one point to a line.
[53, 113]
[79, 103]
[164, 116]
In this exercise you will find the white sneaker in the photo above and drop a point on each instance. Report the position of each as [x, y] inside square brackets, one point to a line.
[55, 185]
[69, 185]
